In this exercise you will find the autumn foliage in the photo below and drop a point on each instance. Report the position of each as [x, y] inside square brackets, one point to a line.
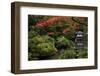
[53, 37]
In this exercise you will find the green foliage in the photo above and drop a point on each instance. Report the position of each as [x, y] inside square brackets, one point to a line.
[68, 54]
[62, 42]
[46, 49]
[42, 39]
[41, 46]
[83, 53]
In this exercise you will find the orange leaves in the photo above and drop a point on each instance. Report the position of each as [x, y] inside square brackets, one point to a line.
[50, 33]
[66, 30]
[49, 21]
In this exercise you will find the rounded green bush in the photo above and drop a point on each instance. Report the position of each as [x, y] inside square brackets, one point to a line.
[46, 49]
[42, 39]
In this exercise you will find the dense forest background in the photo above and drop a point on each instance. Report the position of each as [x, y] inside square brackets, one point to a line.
[53, 37]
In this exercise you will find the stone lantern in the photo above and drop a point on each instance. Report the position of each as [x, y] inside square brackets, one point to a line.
[78, 42]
